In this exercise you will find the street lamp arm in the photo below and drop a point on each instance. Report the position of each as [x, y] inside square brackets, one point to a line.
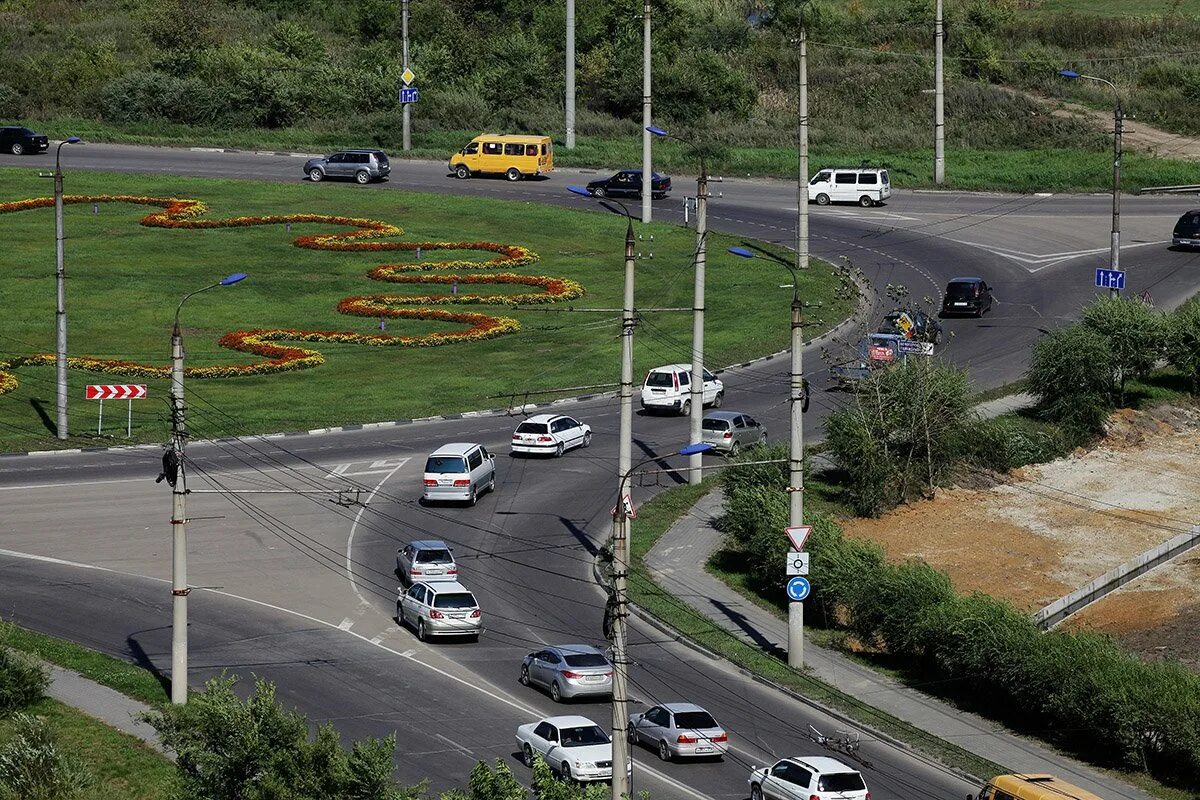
[753, 251]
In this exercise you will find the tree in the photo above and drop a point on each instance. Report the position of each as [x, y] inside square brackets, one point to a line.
[1070, 373]
[1134, 331]
[34, 767]
[1182, 342]
[230, 749]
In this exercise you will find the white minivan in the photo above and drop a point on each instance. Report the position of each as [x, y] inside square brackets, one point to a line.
[863, 185]
[459, 471]
[669, 388]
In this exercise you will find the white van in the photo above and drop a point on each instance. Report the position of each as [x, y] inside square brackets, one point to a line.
[669, 388]
[459, 471]
[863, 185]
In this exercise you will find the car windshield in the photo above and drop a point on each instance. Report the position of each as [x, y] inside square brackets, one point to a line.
[433, 556]
[446, 464]
[714, 424]
[582, 737]
[841, 782]
[962, 289]
[455, 600]
[586, 660]
[531, 427]
[659, 379]
[695, 719]
[1190, 220]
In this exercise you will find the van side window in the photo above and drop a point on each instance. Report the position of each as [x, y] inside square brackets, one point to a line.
[531, 150]
[685, 379]
[543, 149]
[822, 177]
[868, 177]
[514, 149]
[843, 178]
[492, 148]
[475, 459]
[999, 795]
[471, 149]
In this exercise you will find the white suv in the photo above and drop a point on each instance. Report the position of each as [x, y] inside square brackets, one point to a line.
[459, 471]
[807, 778]
[669, 388]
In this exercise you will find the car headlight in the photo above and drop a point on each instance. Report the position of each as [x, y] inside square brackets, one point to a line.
[585, 764]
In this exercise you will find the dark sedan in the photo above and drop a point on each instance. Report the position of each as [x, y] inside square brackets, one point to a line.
[628, 183]
[1187, 230]
[967, 296]
[20, 141]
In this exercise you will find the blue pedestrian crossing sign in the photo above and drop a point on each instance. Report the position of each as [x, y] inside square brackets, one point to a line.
[798, 588]
[1110, 278]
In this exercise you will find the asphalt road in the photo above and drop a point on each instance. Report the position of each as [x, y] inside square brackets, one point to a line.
[302, 591]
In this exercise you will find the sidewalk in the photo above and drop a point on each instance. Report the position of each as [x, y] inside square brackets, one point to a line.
[107, 705]
[677, 563]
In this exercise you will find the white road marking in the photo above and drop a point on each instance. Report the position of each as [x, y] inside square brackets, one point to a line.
[354, 527]
[59, 485]
[464, 750]
[346, 624]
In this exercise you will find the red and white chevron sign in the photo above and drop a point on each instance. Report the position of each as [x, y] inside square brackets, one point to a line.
[116, 391]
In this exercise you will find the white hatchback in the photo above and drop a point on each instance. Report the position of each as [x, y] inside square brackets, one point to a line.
[669, 388]
[550, 434]
[459, 471]
[807, 778]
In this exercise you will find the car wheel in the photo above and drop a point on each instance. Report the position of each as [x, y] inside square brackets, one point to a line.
[756, 792]
[734, 449]
[600, 191]
[822, 199]
[664, 752]
[558, 451]
[565, 771]
[587, 439]
[658, 195]
[762, 440]
[720, 398]
[16, 148]
[555, 692]
[474, 497]
[422, 634]
[979, 313]
[399, 613]
[865, 201]
[492, 483]
[315, 175]
[513, 174]
[524, 679]
[937, 337]
[363, 177]
[527, 755]
[686, 408]
[462, 171]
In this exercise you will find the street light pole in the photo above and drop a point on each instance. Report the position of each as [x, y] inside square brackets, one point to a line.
[646, 121]
[406, 108]
[570, 76]
[60, 312]
[1114, 255]
[178, 483]
[939, 98]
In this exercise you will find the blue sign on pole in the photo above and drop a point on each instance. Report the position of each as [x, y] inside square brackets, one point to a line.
[1110, 278]
[798, 588]
[409, 94]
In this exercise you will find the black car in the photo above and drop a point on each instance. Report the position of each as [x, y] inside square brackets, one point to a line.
[1187, 230]
[19, 141]
[912, 323]
[628, 183]
[967, 296]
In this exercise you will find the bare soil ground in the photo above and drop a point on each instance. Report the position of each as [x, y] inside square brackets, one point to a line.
[1045, 530]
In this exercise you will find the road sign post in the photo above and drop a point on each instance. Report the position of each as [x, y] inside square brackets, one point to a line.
[1110, 279]
[116, 391]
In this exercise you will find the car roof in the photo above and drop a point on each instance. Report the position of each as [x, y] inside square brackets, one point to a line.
[575, 649]
[544, 417]
[854, 169]
[567, 720]
[966, 280]
[445, 587]
[429, 544]
[673, 368]
[729, 415]
[676, 708]
[1189, 213]
[822, 764]
[514, 137]
[454, 449]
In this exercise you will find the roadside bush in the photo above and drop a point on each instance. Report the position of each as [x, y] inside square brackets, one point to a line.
[22, 682]
[1181, 340]
[34, 767]
[882, 610]
[10, 102]
[1134, 331]
[1070, 372]
[143, 96]
[1006, 442]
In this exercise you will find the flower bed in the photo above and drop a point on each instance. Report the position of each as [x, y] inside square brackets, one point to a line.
[368, 235]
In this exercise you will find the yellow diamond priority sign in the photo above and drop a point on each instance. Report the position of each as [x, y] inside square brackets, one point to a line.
[407, 76]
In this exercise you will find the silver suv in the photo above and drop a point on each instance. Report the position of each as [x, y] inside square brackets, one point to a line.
[445, 608]
[363, 166]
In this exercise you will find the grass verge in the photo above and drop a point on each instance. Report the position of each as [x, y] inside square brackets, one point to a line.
[654, 518]
[126, 279]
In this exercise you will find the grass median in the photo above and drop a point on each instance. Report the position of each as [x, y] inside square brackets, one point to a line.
[125, 280]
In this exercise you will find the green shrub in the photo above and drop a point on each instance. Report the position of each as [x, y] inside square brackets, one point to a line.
[882, 609]
[1004, 443]
[1182, 342]
[22, 682]
[34, 767]
[11, 102]
[1134, 331]
[1070, 372]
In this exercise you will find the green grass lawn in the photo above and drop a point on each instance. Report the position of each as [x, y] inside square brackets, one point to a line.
[124, 281]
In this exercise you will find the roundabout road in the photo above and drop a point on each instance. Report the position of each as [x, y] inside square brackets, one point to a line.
[299, 588]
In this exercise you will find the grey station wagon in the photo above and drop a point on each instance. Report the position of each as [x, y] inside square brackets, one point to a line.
[363, 166]
[730, 431]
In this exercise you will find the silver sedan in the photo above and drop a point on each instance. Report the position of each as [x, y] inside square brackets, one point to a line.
[568, 670]
[679, 730]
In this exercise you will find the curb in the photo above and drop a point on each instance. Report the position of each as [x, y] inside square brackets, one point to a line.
[836, 714]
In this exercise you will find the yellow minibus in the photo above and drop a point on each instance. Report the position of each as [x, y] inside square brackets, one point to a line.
[1033, 787]
[512, 156]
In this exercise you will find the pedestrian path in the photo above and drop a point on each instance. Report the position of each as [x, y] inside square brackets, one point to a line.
[107, 705]
[677, 563]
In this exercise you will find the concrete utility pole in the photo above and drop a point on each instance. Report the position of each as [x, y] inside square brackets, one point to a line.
[696, 410]
[939, 93]
[60, 312]
[647, 171]
[796, 455]
[570, 99]
[620, 697]
[1115, 245]
[406, 108]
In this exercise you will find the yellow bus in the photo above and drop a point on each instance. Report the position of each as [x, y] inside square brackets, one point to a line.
[1033, 787]
[512, 156]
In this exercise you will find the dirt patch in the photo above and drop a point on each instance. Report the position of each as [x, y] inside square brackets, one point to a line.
[1045, 530]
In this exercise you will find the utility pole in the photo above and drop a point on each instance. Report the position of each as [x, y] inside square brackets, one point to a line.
[406, 108]
[620, 696]
[647, 171]
[570, 99]
[796, 454]
[1115, 246]
[179, 587]
[60, 313]
[939, 92]
[696, 402]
